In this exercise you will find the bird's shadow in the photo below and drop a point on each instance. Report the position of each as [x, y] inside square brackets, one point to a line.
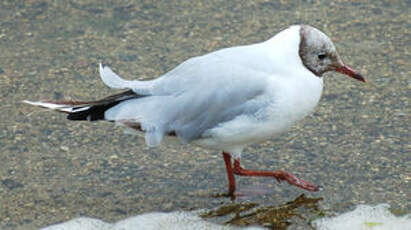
[302, 211]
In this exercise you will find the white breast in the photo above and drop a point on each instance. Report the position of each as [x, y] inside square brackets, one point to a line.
[293, 99]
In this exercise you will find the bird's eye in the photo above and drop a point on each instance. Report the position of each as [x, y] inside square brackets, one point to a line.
[322, 56]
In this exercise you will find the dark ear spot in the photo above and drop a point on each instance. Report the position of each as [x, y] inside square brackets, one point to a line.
[303, 49]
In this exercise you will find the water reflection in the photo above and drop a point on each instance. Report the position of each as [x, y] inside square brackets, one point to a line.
[273, 216]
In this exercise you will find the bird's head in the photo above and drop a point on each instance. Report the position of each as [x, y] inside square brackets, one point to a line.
[319, 54]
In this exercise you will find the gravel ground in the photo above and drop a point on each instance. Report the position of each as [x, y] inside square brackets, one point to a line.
[356, 144]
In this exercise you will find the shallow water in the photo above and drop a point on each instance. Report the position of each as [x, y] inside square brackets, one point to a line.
[356, 144]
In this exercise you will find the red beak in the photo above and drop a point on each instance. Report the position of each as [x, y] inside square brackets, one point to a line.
[350, 72]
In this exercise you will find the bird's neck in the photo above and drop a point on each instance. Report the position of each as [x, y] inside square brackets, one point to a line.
[283, 51]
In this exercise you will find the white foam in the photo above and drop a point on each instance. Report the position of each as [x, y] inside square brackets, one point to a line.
[147, 221]
[81, 223]
[366, 217]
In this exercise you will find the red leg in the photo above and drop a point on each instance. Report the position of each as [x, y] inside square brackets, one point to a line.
[279, 175]
[230, 174]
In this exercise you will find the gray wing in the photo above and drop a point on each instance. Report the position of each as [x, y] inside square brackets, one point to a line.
[205, 108]
[198, 95]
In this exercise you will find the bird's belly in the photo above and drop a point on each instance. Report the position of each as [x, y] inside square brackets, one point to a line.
[241, 131]
[288, 104]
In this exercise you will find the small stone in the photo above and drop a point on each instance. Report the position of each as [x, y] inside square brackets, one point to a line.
[11, 184]
[64, 148]
[168, 206]
[113, 157]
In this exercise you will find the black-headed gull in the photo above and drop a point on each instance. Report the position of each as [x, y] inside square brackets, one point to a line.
[226, 99]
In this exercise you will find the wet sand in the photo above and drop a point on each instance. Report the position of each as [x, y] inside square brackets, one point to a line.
[356, 143]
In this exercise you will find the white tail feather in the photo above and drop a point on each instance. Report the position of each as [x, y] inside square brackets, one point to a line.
[58, 107]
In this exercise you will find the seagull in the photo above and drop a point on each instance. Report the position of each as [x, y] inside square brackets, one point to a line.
[224, 100]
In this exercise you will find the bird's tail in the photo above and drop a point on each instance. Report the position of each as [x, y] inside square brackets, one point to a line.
[85, 110]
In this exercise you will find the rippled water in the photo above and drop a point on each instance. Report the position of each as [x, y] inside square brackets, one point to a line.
[356, 144]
